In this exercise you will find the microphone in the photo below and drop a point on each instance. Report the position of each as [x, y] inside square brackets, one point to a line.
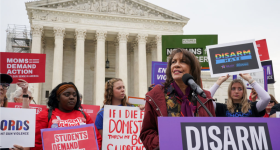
[188, 80]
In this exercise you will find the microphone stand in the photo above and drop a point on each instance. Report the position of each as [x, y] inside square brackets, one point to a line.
[206, 109]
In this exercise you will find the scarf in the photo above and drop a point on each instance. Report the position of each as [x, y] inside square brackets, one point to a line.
[187, 107]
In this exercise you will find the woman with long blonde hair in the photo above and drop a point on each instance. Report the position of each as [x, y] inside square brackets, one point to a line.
[237, 104]
[114, 95]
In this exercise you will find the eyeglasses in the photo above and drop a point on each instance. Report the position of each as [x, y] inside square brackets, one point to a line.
[271, 101]
[5, 85]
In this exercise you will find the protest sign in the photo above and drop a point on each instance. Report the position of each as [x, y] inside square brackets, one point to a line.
[259, 77]
[38, 108]
[231, 133]
[17, 127]
[158, 72]
[81, 137]
[92, 110]
[196, 44]
[233, 58]
[136, 101]
[26, 66]
[121, 128]
[269, 71]
[277, 114]
[262, 49]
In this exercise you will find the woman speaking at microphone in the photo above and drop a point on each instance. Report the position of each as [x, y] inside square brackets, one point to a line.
[174, 98]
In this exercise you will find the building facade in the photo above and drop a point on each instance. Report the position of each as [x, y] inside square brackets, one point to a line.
[78, 36]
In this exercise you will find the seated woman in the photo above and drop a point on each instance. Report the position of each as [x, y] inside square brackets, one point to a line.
[174, 99]
[268, 108]
[64, 104]
[237, 104]
[114, 95]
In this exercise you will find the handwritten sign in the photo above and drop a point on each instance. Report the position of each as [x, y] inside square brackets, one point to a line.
[121, 128]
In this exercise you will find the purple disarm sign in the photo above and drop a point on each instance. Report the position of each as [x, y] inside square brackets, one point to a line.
[188, 133]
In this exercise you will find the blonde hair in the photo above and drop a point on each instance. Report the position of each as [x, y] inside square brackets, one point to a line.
[244, 102]
[108, 95]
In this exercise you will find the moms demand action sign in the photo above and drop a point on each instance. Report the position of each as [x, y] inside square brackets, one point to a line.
[121, 128]
[218, 133]
[26, 66]
[81, 137]
[233, 58]
[38, 108]
[17, 127]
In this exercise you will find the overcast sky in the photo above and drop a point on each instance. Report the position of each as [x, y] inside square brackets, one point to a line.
[232, 20]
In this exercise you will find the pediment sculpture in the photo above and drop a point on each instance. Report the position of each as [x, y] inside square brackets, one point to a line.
[113, 7]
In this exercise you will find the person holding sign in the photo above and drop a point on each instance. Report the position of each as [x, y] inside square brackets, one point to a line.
[64, 104]
[114, 95]
[237, 104]
[174, 98]
[5, 81]
[17, 96]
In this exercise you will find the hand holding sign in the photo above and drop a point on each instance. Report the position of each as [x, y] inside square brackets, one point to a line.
[246, 76]
[222, 79]
[24, 85]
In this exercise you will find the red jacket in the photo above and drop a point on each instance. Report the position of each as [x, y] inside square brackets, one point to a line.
[156, 107]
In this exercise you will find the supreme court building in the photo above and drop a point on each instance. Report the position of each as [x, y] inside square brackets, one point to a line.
[79, 36]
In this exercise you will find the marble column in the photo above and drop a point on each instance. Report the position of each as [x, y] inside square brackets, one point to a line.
[142, 65]
[153, 46]
[149, 64]
[59, 33]
[80, 35]
[135, 69]
[122, 58]
[100, 67]
[131, 71]
[37, 32]
[116, 44]
[94, 70]
[159, 47]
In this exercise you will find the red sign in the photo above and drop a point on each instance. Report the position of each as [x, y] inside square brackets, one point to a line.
[38, 108]
[26, 66]
[92, 110]
[69, 138]
[263, 51]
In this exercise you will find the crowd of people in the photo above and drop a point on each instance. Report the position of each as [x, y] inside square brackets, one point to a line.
[174, 99]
